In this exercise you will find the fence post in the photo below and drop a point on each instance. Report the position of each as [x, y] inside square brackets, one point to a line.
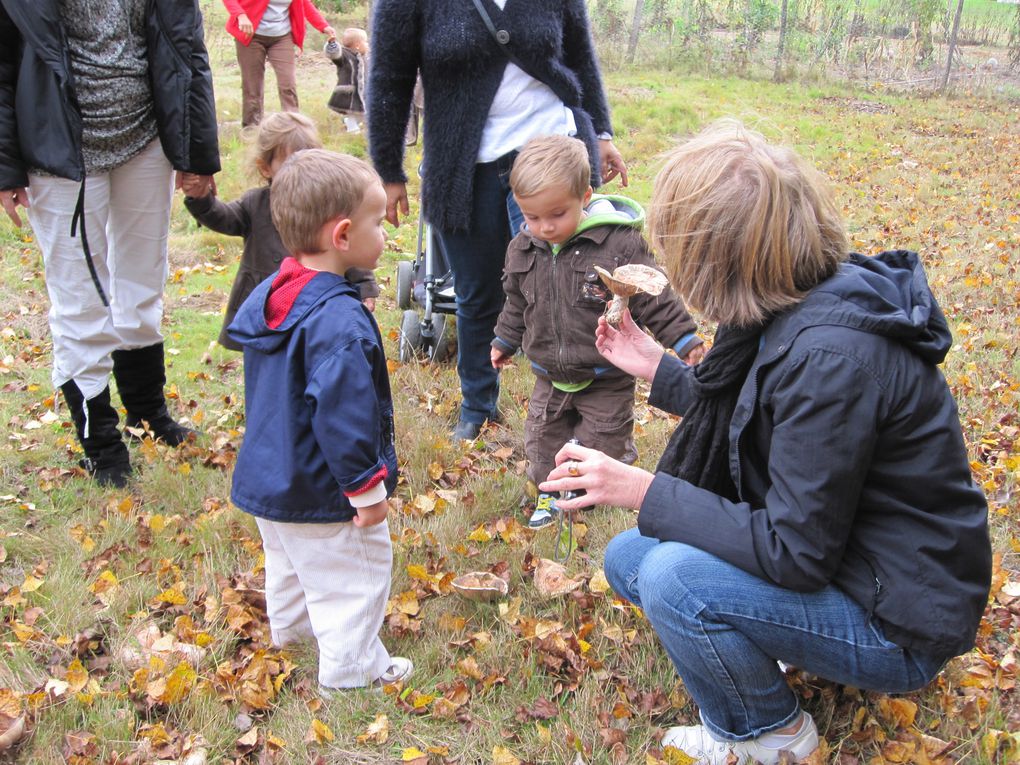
[952, 45]
[777, 74]
[635, 30]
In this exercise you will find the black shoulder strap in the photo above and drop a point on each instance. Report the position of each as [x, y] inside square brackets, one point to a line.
[502, 38]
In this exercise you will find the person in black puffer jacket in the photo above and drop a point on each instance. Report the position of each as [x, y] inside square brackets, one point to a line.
[816, 504]
[100, 101]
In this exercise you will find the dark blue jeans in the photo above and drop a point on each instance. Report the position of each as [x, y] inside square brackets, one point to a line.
[724, 629]
[476, 257]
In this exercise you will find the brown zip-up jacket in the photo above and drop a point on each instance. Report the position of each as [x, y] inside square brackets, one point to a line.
[553, 302]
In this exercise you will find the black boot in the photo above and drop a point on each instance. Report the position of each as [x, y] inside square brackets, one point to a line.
[106, 454]
[140, 379]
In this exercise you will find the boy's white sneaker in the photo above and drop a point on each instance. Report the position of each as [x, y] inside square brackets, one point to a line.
[696, 741]
[399, 671]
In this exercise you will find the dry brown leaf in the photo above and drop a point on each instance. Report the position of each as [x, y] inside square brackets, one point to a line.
[378, 731]
[551, 579]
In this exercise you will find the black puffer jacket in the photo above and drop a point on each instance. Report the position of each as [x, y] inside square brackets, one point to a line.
[846, 448]
[40, 122]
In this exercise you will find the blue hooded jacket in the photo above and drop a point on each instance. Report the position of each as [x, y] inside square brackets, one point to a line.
[319, 415]
[847, 452]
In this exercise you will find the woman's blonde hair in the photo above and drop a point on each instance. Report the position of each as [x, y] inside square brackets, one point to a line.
[285, 132]
[313, 187]
[551, 161]
[745, 229]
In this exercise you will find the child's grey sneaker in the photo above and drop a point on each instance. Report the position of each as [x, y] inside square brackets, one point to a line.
[695, 741]
[545, 511]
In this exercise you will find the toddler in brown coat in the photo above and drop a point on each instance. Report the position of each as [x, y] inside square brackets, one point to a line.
[554, 298]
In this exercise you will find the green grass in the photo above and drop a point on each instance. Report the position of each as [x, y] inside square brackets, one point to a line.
[174, 528]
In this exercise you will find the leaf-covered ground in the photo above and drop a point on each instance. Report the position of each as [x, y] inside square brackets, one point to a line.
[132, 624]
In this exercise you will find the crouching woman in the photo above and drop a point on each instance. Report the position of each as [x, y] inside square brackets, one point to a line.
[816, 504]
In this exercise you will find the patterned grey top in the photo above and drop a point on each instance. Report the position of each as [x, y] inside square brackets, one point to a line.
[106, 39]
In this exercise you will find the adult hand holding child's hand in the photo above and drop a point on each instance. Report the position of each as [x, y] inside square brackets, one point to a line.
[371, 515]
[196, 186]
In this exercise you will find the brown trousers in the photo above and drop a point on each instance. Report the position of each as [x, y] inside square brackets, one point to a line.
[252, 60]
[601, 417]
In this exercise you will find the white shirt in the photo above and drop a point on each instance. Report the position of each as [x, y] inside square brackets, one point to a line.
[522, 109]
[276, 20]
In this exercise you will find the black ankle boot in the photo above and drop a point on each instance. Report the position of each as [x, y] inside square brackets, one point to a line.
[95, 422]
[140, 379]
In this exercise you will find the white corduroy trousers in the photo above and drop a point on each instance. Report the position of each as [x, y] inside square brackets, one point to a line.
[330, 581]
[127, 220]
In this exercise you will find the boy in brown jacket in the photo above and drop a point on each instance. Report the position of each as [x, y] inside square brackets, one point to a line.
[553, 302]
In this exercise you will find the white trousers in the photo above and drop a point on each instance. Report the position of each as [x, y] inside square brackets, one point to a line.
[127, 221]
[330, 581]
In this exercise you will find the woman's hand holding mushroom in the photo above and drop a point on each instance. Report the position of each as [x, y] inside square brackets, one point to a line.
[627, 281]
[628, 347]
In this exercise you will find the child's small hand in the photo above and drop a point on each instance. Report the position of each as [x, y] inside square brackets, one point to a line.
[196, 186]
[369, 303]
[372, 515]
[498, 358]
[694, 356]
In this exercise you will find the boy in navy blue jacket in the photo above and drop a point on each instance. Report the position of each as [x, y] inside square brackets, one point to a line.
[318, 463]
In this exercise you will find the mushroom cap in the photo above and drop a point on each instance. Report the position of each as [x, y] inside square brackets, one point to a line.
[633, 278]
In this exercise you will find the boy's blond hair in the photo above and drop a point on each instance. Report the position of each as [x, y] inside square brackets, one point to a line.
[313, 187]
[282, 132]
[745, 229]
[551, 161]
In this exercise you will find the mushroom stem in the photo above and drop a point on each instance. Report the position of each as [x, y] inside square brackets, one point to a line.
[615, 309]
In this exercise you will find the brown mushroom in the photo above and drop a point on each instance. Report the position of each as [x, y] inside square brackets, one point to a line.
[627, 281]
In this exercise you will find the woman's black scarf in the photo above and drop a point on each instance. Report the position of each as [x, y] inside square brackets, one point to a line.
[698, 450]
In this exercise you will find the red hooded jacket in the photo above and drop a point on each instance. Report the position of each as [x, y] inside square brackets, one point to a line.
[300, 11]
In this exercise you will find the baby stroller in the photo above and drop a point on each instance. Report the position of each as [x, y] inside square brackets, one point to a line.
[426, 282]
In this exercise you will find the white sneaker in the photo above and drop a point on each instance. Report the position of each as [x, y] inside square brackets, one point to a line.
[399, 671]
[696, 741]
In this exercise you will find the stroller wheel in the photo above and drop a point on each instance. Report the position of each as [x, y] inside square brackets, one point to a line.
[439, 346]
[409, 344]
[405, 283]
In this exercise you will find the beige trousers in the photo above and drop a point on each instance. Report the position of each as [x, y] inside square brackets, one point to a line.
[330, 581]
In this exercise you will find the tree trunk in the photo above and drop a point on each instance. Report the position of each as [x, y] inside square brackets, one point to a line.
[635, 30]
[952, 45]
[777, 75]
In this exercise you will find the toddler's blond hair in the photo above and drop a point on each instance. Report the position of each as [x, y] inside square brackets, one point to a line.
[282, 132]
[313, 187]
[551, 161]
[355, 38]
[745, 229]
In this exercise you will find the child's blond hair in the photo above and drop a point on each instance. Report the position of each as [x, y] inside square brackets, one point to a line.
[313, 187]
[745, 229]
[285, 132]
[355, 38]
[551, 161]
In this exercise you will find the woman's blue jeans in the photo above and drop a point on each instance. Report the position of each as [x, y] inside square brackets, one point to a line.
[724, 629]
[476, 257]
